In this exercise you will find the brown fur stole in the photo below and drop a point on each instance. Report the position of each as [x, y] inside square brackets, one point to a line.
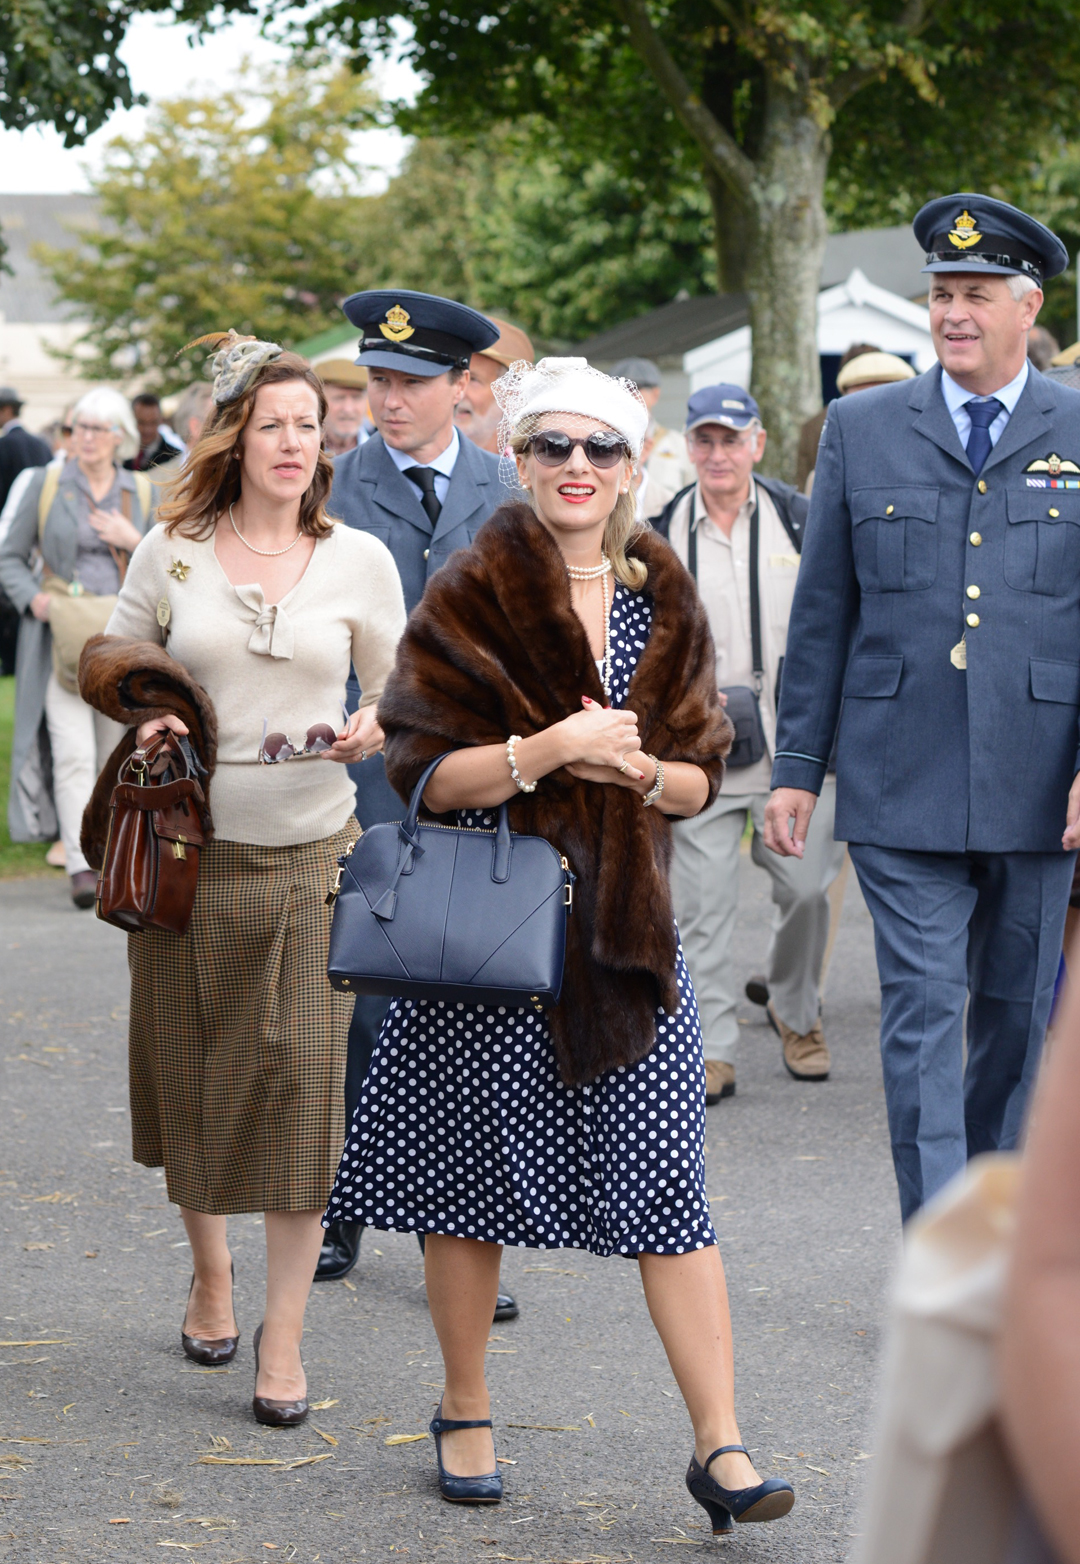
[494, 648]
[133, 682]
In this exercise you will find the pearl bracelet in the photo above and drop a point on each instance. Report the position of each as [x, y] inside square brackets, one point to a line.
[511, 760]
[658, 786]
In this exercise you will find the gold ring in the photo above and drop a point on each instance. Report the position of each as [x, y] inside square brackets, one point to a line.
[624, 767]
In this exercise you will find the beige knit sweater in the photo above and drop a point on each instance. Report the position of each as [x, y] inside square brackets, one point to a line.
[287, 663]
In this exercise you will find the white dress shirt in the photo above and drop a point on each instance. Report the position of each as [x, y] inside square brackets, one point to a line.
[442, 466]
[957, 399]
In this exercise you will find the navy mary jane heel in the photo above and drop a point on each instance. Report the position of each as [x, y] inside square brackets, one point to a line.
[766, 1501]
[487, 1489]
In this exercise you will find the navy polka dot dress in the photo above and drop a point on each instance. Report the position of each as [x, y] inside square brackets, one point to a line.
[464, 1126]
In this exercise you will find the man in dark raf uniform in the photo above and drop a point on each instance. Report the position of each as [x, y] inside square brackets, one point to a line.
[425, 491]
[937, 619]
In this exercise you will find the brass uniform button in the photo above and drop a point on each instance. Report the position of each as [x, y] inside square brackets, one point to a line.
[1054, 512]
[973, 591]
[982, 485]
[427, 551]
[975, 539]
[973, 620]
[889, 509]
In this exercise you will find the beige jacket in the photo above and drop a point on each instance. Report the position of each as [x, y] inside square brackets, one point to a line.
[724, 585]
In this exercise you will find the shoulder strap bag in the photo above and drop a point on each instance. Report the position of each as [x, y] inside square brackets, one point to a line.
[75, 614]
[743, 703]
[429, 911]
[150, 869]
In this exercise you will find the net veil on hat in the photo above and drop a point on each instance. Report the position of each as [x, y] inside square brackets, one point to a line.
[528, 392]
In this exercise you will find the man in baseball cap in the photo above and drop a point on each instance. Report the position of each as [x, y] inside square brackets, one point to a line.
[740, 536]
[477, 414]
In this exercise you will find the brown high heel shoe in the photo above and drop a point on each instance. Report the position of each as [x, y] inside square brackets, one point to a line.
[211, 1354]
[276, 1414]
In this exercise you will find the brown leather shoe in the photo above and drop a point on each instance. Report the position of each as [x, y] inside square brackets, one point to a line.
[719, 1080]
[200, 1349]
[84, 888]
[276, 1414]
[806, 1057]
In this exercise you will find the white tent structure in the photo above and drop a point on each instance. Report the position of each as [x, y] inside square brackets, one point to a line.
[856, 310]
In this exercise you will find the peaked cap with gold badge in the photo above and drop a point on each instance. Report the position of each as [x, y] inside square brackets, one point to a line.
[417, 333]
[969, 233]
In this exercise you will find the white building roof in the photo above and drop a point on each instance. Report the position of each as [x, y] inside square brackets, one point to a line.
[857, 310]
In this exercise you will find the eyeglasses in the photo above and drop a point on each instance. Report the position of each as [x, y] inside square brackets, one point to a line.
[94, 431]
[552, 448]
[278, 746]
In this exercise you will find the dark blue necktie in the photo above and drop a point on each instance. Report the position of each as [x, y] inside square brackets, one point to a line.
[979, 445]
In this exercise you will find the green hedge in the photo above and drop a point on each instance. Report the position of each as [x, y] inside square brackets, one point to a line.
[17, 859]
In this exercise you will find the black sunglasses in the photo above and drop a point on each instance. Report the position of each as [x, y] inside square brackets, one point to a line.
[552, 448]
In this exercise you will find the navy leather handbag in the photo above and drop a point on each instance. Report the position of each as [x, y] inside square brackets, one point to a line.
[430, 911]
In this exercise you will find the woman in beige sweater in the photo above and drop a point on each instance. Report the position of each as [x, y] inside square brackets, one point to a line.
[237, 1040]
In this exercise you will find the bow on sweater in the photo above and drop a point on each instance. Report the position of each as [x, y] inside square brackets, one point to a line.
[273, 632]
[493, 648]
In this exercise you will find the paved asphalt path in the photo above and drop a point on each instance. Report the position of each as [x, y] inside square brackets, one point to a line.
[111, 1442]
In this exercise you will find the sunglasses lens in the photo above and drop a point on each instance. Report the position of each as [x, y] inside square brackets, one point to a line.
[277, 746]
[551, 450]
[321, 736]
[604, 450]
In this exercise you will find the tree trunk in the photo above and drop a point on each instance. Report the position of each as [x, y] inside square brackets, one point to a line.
[787, 230]
[731, 230]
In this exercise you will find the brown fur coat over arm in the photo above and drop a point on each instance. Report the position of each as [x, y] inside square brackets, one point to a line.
[135, 682]
[495, 648]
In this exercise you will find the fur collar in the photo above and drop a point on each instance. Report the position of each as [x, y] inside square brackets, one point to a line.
[494, 648]
[133, 682]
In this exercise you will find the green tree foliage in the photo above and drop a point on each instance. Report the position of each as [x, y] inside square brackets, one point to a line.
[59, 59]
[234, 210]
[897, 99]
[564, 244]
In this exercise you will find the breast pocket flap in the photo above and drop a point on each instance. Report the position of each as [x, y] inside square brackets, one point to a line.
[1053, 681]
[894, 503]
[1041, 505]
[870, 677]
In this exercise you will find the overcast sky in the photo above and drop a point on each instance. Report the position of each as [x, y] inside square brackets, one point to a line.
[161, 64]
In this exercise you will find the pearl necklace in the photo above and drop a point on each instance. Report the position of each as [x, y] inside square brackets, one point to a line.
[267, 553]
[599, 572]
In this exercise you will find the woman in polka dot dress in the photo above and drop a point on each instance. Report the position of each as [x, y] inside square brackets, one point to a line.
[566, 661]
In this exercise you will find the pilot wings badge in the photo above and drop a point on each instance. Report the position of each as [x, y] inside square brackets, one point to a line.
[963, 233]
[396, 328]
[1053, 469]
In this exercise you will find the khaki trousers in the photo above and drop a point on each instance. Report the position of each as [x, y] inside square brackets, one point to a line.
[81, 740]
[705, 890]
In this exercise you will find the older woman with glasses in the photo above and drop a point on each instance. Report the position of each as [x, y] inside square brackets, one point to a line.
[62, 563]
[237, 1041]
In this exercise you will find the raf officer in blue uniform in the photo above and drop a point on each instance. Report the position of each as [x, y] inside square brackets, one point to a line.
[937, 621]
[424, 490]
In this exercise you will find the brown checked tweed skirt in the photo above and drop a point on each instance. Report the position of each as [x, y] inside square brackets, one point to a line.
[237, 1041]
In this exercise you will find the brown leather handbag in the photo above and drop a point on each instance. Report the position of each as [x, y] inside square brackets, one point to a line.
[156, 828]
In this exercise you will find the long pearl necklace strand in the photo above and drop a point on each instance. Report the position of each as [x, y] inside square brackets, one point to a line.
[267, 553]
[601, 572]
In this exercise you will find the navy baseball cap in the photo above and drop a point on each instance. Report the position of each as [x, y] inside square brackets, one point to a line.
[728, 405]
[969, 233]
[417, 333]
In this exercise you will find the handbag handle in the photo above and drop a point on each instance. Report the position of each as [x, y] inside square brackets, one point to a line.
[408, 832]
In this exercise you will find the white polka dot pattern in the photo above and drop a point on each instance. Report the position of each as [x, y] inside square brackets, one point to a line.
[464, 1126]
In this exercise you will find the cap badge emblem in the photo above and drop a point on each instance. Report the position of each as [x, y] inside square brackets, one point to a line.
[740, 407]
[396, 328]
[1053, 465]
[963, 232]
